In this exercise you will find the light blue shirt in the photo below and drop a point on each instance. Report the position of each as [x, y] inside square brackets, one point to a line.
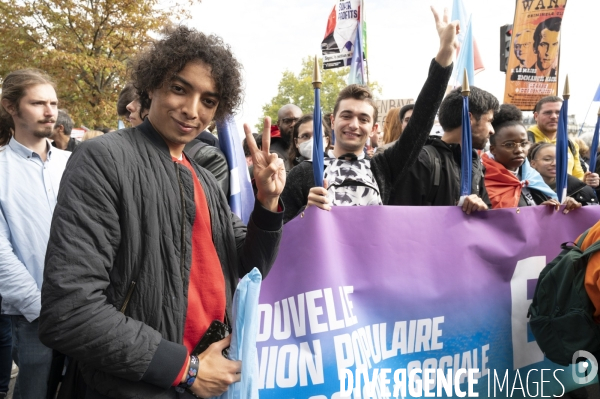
[28, 192]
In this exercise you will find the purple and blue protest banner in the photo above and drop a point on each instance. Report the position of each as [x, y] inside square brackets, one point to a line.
[407, 293]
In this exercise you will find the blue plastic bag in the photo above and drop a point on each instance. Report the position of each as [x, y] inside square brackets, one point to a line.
[243, 336]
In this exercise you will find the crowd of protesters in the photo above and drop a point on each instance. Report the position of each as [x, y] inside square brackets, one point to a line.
[122, 271]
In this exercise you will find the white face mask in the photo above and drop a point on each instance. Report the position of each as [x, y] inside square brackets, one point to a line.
[306, 149]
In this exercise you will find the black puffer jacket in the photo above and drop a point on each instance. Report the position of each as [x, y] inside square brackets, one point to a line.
[125, 213]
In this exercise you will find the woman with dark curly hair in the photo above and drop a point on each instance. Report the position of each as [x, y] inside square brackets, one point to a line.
[159, 252]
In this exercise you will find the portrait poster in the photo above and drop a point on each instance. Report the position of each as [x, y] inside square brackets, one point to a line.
[338, 45]
[533, 62]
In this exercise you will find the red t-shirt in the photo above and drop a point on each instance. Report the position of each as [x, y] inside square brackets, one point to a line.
[206, 291]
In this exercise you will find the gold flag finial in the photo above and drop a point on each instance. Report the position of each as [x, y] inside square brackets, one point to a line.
[316, 75]
[598, 111]
[566, 91]
[466, 90]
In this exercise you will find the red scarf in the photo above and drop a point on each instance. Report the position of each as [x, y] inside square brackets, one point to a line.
[275, 131]
[503, 187]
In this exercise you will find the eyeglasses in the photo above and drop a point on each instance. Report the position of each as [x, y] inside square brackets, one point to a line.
[289, 121]
[511, 145]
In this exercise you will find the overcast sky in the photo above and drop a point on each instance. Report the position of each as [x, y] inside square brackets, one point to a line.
[269, 36]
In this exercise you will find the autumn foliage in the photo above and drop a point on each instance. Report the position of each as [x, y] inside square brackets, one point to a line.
[84, 45]
[298, 89]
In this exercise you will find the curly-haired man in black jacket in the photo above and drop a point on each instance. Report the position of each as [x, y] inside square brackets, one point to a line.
[144, 252]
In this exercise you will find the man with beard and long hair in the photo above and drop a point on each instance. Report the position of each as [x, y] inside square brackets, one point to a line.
[31, 171]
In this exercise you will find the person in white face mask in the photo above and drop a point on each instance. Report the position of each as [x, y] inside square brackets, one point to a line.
[302, 148]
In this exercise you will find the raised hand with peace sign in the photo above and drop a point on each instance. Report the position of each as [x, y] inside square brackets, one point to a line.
[447, 31]
[269, 170]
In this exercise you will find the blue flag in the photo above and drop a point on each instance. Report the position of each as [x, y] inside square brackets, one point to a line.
[357, 74]
[465, 58]
[466, 165]
[594, 147]
[318, 152]
[463, 16]
[597, 95]
[459, 13]
[562, 148]
[241, 196]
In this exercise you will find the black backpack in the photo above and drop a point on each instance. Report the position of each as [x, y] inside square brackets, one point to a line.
[561, 312]
[436, 173]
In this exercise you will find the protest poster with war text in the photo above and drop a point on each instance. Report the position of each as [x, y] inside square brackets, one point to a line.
[533, 62]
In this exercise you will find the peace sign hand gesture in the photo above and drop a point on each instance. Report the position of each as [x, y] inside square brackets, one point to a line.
[269, 171]
[448, 32]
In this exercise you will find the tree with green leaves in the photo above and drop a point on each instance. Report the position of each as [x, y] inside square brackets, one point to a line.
[298, 89]
[84, 45]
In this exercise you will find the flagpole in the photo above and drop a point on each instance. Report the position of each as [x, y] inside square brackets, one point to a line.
[364, 41]
[594, 146]
[584, 119]
[466, 89]
[567, 90]
[466, 166]
[562, 145]
[318, 150]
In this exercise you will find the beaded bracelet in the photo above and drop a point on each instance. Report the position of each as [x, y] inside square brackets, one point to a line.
[191, 375]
